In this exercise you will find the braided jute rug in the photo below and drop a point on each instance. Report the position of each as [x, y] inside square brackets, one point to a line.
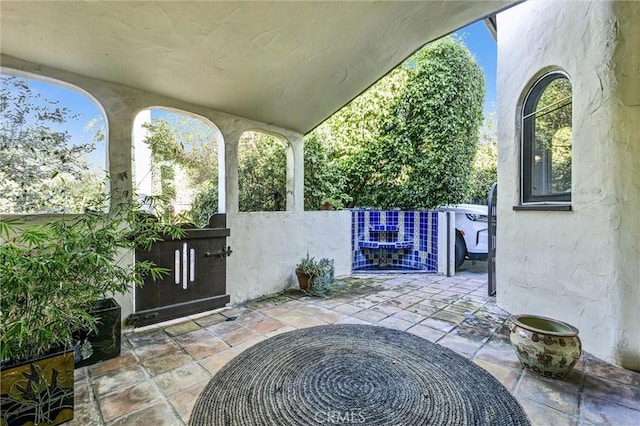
[353, 374]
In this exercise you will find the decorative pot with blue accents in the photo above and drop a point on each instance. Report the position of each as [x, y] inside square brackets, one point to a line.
[544, 345]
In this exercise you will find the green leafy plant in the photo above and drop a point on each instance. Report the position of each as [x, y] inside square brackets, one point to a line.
[323, 181]
[321, 274]
[325, 278]
[409, 140]
[485, 164]
[308, 265]
[262, 173]
[52, 274]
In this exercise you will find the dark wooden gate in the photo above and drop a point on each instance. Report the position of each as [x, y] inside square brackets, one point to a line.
[493, 222]
[197, 281]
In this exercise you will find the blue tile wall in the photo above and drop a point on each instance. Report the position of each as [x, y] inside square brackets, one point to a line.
[400, 240]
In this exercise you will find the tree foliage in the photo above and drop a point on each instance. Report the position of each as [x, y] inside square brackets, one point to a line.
[262, 173]
[205, 203]
[352, 140]
[41, 170]
[429, 143]
[182, 143]
[409, 141]
[323, 180]
[176, 141]
[485, 164]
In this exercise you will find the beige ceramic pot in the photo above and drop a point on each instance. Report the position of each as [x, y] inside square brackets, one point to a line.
[545, 346]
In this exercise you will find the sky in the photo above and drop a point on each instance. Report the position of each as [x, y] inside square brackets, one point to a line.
[475, 36]
[480, 42]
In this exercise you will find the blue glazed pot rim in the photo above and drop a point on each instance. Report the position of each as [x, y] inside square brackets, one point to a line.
[556, 328]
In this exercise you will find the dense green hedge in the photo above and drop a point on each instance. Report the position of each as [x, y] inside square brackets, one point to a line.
[410, 140]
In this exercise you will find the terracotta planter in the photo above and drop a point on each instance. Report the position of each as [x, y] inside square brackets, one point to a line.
[38, 391]
[326, 206]
[545, 346]
[304, 280]
[90, 347]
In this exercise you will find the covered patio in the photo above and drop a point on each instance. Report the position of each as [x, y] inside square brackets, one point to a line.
[282, 68]
[164, 368]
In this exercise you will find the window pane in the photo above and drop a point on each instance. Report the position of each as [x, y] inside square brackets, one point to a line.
[550, 159]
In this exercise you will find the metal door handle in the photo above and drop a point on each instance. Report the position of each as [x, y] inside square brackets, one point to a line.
[226, 251]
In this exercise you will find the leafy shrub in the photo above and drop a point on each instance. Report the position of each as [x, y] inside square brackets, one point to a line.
[51, 274]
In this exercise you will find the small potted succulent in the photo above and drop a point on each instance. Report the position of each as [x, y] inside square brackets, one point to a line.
[315, 277]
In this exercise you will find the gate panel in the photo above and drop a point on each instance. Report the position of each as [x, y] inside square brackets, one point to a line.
[493, 223]
[197, 278]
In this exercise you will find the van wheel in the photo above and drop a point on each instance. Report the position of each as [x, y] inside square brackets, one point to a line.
[461, 250]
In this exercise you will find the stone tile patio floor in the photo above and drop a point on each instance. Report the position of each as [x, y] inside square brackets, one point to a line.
[162, 370]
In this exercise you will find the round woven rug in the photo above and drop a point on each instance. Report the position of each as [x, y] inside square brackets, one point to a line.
[353, 374]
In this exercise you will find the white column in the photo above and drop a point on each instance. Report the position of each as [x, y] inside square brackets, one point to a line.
[142, 155]
[222, 175]
[230, 182]
[295, 174]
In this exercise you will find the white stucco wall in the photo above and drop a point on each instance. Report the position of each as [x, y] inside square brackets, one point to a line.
[268, 245]
[579, 266]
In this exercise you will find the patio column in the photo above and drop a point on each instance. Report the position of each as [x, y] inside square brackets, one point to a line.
[230, 204]
[295, 174]
[120, 118]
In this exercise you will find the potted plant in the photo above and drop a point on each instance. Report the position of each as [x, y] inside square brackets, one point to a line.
[336, 202]
[51, 278]
[315, 277]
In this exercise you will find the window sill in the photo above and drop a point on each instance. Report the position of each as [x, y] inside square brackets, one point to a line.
[544, 207]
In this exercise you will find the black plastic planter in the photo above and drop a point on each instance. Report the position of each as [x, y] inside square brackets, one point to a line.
[90, 347]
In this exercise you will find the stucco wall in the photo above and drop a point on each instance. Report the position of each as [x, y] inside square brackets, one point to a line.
[579, 266]
[268, 245]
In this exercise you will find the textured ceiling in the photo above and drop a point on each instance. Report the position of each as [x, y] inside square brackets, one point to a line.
[290, 64]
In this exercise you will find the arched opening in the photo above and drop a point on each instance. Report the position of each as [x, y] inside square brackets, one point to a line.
[262, 172]
[177, 161]
[53, 147]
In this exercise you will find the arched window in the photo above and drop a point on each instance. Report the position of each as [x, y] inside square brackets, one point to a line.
[547, 141]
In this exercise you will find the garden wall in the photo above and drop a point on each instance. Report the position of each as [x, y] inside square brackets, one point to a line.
[268, 245]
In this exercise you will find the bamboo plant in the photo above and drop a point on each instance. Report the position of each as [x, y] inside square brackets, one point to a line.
[52, 274]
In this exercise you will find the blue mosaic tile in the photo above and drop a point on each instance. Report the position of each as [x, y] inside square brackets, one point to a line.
[378, 241]
[403, 244]
[392, 217]
[374, 218]
[383, 228]
[368, 244]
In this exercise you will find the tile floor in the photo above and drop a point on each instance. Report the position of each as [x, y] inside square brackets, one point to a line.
[162, 370]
